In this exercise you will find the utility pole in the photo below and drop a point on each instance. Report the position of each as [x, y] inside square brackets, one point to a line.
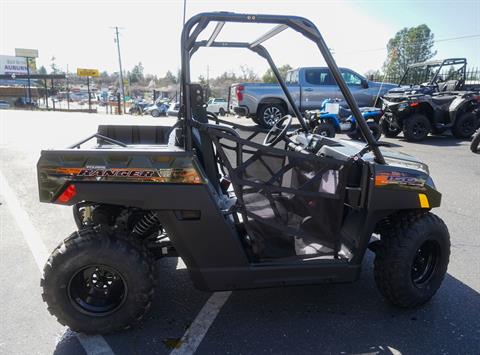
[184, 10]
[121, 70]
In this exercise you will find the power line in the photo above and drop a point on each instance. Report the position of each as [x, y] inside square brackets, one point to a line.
[434, 41]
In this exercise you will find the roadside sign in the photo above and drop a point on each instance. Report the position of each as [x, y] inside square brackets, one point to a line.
[25, 52]
[12, 65]
[88, 72]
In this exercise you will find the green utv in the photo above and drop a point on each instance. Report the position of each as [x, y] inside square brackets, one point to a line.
[243, 209]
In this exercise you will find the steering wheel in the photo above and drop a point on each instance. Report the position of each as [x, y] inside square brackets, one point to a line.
[278, 131]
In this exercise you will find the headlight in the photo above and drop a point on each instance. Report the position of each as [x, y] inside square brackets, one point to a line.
[407, 164]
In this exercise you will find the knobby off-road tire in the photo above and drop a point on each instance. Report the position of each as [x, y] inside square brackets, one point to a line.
[416, 128]
[475, 145]
[402, 253]
[324, 129]
[465, 125]
[389, 131]
[77, 272]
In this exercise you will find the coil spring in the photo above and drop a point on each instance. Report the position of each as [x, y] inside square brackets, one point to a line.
[146, 224]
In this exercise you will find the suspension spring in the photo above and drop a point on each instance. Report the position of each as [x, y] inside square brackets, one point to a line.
[146, 224]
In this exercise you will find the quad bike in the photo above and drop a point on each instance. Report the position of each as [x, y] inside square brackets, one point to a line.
[417, 115]
[434, 76]
[475, 145]
[243, 209]
[340, 120]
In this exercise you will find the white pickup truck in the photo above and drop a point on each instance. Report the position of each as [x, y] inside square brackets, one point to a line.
[217, 106]
[266, 103]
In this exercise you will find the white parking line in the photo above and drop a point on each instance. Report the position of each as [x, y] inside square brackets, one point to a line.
[197, 330]
[93, 345]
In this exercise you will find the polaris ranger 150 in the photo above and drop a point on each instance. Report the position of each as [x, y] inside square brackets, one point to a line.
[295, 208]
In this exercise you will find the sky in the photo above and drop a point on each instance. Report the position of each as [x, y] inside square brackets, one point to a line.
[80, 33]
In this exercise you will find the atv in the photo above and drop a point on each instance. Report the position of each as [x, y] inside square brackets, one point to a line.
[417, 115]
[243, 209]
[434, 76]
[333, 118]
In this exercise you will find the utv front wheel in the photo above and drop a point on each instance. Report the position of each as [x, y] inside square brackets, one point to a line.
[411, 259]
[388, 130]
[416, 128]
[97, 284]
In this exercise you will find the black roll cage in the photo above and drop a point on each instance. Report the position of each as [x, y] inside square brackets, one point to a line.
[189, 45]
[437, 63]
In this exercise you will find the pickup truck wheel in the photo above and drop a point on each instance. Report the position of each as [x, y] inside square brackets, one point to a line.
[96, 283]
[416, 128]
[221, 111]
[465, 125]
[269, 114]
[325, 129]
[388, 130]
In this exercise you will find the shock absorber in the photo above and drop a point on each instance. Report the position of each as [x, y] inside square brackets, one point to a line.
[146, 225]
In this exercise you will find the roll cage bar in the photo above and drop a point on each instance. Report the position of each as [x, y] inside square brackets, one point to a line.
[189, 45]
[437, 63]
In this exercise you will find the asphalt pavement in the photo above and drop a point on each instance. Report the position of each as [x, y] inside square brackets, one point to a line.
[326, 319]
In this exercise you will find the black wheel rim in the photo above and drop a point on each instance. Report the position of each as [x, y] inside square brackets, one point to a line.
[425, 263]
[97, 290]
[468, 127]
[271, 115]
[419, 129]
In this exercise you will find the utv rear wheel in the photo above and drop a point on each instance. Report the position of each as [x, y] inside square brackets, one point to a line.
[411, 259]
[465, 125]
[416, 128]
[269, 114]
[97, 284]
[325, 129]
[374, 128]
[388, 130]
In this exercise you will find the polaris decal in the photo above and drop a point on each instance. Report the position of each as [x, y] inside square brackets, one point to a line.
[399, 179]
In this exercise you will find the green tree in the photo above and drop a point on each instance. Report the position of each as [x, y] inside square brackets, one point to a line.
[53, 66]
[171, 78]
[42, 70]
[410, 45]
[268, 77]
[136, 75]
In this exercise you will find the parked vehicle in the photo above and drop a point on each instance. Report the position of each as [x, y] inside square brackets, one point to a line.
[434, 76]
[266, 103]
[301, 208]
[218, 106]
[24, 102]
[159, 108]
[4, 104]
[173, 109]
[138, 107]
[332, 119]
[417, 115]
[475, 145]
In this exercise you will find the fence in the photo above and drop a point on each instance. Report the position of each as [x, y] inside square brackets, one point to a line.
[472, 77]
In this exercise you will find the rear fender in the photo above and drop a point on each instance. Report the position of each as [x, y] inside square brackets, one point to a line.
[459, 105]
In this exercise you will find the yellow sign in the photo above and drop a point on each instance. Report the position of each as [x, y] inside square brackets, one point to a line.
[87, 72]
